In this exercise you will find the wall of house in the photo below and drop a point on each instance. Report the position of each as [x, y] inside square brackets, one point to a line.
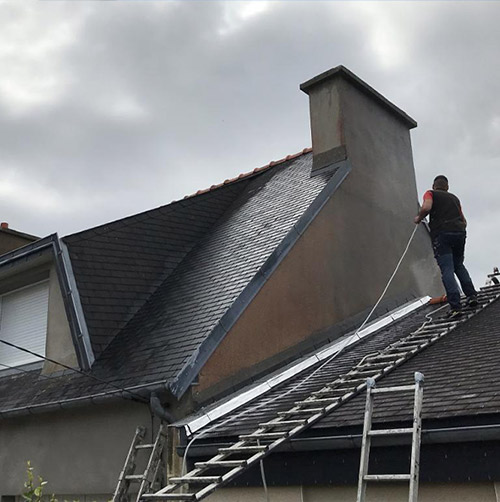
[10, 240]
[324, 280]
[341, 264]
[435, 492]
[78, 451]
[59, 343]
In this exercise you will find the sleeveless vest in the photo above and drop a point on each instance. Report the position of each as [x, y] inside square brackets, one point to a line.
[446, 214]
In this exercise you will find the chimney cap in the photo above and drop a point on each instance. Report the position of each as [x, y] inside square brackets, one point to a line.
[342, 72]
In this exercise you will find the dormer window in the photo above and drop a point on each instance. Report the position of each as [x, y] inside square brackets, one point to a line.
[23, 322]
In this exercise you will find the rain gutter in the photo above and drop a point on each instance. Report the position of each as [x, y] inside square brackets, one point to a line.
[145, 390]
[329, 442]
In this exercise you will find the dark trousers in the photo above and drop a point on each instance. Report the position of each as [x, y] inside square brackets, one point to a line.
[449, 252]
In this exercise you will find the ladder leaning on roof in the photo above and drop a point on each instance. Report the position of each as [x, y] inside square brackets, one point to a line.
[368, 433]
[252, 448]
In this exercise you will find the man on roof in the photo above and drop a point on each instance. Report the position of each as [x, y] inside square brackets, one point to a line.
[448, 223]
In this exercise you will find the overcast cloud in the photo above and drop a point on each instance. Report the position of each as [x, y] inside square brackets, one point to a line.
[111, 108]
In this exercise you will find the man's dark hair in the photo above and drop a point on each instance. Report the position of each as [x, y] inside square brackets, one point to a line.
[441, 181]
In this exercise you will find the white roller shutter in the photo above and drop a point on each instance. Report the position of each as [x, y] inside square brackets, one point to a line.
[23, 321]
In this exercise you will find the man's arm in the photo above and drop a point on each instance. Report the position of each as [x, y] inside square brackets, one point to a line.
[425, 209]
[463, 217]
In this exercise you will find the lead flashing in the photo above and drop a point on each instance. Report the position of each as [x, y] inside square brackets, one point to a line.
[82, 337]
[199, 421]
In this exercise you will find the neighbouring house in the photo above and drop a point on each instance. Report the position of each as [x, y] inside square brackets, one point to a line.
[11, 239]
[167, 312]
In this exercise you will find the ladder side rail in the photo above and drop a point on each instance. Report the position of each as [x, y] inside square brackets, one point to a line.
[366, 441]
[151, 470]
[129, 466]
[416, 437]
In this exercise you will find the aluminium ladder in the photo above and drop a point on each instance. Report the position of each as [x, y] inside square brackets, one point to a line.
[368, 433]
[252, 448]
[147, 478]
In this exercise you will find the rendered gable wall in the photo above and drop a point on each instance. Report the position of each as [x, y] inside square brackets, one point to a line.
[341, 264]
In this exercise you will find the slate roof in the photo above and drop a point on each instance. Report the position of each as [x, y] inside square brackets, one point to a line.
[118, 266]
[155, 285]
[167, 331]
[461, 381]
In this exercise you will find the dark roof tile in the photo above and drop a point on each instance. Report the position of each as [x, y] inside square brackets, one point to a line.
[461, 374]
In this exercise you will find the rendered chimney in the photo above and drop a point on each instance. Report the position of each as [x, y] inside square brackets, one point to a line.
[374, 207]
[342, 108]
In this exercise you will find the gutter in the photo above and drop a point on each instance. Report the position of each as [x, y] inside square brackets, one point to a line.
[429, 436]
[146, 390]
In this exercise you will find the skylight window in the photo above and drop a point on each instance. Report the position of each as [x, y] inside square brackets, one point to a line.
[23, 322]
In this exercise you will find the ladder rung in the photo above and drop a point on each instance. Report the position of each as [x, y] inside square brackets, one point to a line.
[243, 449]
[426, 334]
[308, 411]
[264, 435]
[403, 350]
[352, 380]
[337, 392]
[220, 463]
[368, 365]
[282, 422]
[408, 344]
[400, 388]
[205, 480]
[383, 357]
[390, 432]
[387, 477]
[134, 477]
[367, 372]
[144, 446]
[326, 400]
[441, 324]
[169, 496]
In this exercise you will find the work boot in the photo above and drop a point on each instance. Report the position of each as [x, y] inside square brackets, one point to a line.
[471, 301]
[454, 314]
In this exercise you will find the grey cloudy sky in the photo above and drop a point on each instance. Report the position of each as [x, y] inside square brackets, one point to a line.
[111, 108]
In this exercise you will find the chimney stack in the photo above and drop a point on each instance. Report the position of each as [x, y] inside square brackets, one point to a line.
[4, 224]
[342, 109]
[373, 209]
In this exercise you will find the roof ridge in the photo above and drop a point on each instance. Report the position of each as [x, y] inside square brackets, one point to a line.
[249, 174]
[163, 207]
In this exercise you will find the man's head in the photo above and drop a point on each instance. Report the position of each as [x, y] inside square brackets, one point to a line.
[440, 183]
